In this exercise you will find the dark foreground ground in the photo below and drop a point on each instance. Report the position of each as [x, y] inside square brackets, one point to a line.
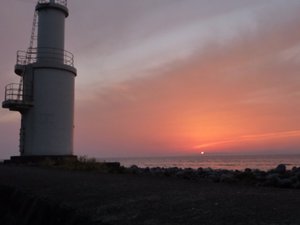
[121, 199]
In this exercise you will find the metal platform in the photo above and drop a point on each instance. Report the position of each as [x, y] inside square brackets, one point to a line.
[16, 105]
[40, 159]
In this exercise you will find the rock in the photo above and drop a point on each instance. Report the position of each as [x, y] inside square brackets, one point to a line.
[281, 168]
[214, 177]
[272, 180]
[134, 169]
[156, 171]
[296, 169]
[278, 177]
[285, 183]
[297, 185]
[260, 176]
[227, 178]
[200, 172]
[171, 171]
[189, 174]
[208, 170]
[147, 170]
[246, 176]
[248, 170]
[294, 179]
[180, 173]
[295, 175]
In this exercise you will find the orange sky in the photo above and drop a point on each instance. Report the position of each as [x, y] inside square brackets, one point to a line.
[241, 96]
[221, 78]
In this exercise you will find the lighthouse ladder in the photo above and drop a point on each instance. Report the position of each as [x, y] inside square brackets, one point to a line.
[32, 43]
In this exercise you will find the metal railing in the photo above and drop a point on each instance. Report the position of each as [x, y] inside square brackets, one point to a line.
[33, 55]
[15, 92]
[60, 2]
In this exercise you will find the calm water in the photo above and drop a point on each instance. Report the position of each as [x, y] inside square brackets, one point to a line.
[231, 162]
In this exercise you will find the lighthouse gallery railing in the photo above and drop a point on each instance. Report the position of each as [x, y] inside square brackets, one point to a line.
[61, 2]
[33, 55]
[15, 92]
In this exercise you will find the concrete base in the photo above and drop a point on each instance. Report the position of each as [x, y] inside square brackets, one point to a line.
[40, 159]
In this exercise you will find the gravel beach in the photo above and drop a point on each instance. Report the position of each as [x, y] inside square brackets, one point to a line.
[139, 199]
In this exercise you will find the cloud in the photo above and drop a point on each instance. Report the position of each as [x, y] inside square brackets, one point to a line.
[122, 42]
[243, 81]
[242, 87]
[251, 138]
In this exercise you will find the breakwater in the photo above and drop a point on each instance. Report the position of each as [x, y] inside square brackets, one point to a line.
[277, 177]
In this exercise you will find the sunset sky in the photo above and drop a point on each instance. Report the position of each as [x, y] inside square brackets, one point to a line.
[172, 77]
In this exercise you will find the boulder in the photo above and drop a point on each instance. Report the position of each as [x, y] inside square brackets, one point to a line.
[248, 170]
[281, 168]
[134, 169]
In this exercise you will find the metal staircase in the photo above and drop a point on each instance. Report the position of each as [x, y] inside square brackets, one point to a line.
[18, 96]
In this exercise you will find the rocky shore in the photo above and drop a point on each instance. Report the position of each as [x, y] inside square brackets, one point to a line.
[143, 196]
[277, 177]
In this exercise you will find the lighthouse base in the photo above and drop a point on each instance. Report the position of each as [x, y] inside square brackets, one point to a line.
[34, 160]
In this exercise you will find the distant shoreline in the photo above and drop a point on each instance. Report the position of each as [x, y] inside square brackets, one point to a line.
[230, 162]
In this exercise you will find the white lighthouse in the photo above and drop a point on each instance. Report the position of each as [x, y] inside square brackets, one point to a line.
[45, 94]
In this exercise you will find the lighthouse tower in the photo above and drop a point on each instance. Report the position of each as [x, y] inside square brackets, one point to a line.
[45, 95]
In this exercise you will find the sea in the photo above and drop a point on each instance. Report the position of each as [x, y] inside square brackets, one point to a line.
[229, 162]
